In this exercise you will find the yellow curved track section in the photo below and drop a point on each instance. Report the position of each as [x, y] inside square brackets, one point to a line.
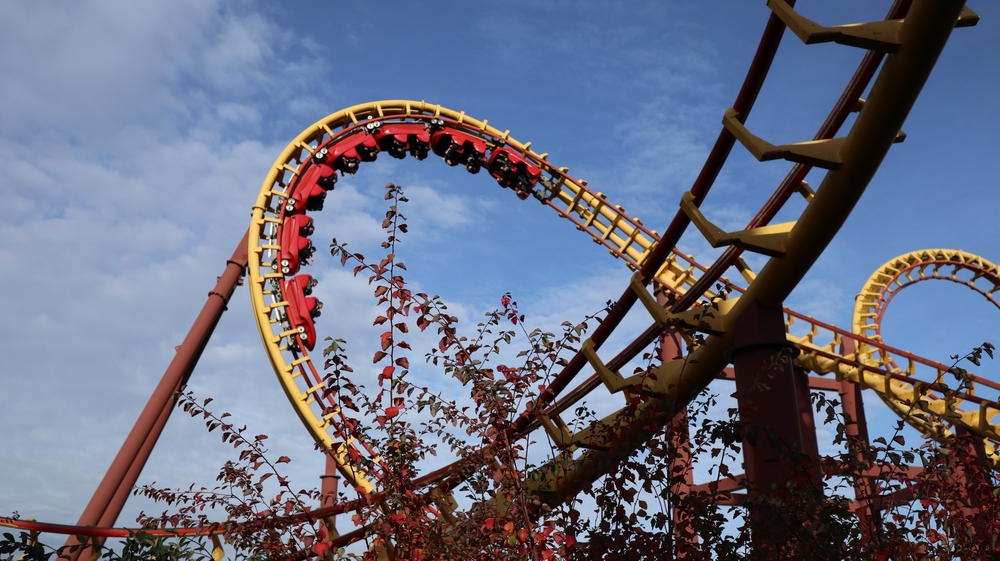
[965, 407]
[944, 264]
[916, 388]
[872, 364]
[591, 212]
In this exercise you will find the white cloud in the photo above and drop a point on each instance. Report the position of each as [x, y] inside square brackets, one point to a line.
[130, 177]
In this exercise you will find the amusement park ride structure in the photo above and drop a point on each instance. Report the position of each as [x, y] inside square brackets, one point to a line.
[747, 328]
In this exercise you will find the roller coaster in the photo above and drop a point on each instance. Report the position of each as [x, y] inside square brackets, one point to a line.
[899, 54]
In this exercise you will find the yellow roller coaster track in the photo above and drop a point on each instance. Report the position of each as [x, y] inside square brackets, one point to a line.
[912, 46]
[793, 247]
[608, 224]
[964, 407]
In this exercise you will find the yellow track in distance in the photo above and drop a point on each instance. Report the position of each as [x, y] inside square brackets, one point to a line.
[929, 264]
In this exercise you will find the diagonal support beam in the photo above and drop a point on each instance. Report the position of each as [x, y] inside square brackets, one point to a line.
[107, 501]
[876, 35]
[768, 240]
[818, 153]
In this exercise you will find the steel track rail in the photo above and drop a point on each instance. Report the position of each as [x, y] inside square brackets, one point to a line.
[923, 35]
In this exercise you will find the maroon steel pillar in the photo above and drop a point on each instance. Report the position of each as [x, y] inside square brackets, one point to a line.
[679, 457]
[777, 468]
[328, 493]
[331, 482]
[109, 498]
[682, 479]
[972, 472]
[807, 425]
[856, 426]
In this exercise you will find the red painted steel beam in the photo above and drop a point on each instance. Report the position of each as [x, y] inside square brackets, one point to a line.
[856, 427]
[679, 461]
[779, 446]
[768, 398]
[107, 501]
[810, 443]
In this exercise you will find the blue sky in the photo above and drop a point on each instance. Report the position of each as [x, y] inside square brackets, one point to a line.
[135, 138]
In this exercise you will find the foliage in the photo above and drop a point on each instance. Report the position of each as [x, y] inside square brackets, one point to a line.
[874, 500]
[139, 546]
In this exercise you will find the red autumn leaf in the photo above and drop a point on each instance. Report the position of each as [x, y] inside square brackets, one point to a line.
[403, 362]
[380, 320]
[379, 291]
[379, 356]
[387, 372]
[489, 523]
[391, 412]
[386, 340]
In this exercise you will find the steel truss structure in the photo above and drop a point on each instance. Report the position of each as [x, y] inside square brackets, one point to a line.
[749, 328]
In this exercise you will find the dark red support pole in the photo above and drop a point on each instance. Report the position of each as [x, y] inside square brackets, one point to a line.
[807, 424]
[682, 480]
[856, 426]
[328, 494]
[331, 483]
[679, 457]
[972, 473]
[779, 482]
[109, 498]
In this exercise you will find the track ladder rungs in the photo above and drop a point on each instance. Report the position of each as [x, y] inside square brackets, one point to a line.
[818, 153]
[876, 35]
[557, 431]
[613, 380]
[768, 240]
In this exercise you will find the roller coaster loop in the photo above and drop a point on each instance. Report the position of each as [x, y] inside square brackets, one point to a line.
[278, 246]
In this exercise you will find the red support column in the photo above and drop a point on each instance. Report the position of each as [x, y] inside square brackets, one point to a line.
[779, 486]
[331, 483]
[679, 457]
[682, 479]
[328, 493]
[810, 444]
[856, 426]
[973, 473]
[109, 498]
